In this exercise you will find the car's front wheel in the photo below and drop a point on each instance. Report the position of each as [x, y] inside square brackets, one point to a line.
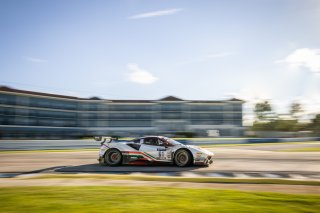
[113, 157]
[182, 158]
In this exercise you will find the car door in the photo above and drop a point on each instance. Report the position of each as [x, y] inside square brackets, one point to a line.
[153, 147]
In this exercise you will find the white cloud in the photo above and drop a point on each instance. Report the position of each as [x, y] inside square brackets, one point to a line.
[304, 57]
[140, 76]
[36, 60]
[156, 13]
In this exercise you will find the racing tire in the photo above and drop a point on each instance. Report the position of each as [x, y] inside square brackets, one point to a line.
[113, 157]
[182, 158]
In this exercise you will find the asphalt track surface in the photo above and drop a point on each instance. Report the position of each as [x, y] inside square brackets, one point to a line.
[229, 161]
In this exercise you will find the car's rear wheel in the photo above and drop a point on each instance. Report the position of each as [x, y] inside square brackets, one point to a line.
[182, 158]
[113, 157]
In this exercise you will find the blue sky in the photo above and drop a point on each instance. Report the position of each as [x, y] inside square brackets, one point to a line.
[143, 49]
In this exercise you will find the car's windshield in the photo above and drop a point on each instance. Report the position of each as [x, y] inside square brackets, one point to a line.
[171, 141]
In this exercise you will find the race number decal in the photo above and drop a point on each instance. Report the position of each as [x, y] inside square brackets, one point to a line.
[161, 155]
[168, 155]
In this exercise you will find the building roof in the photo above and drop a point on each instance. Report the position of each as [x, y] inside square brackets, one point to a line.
[9, 89]
[130, 101]
[167, 98]
[170, 98]
[235, 99]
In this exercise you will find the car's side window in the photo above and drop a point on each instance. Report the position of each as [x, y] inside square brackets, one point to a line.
[160, 142]
[151, 141]
[147, 141]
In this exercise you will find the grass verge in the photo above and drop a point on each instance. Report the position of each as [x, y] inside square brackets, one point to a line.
[142, 199]
[177, 179]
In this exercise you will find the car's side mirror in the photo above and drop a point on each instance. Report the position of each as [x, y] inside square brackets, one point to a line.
[167, 145]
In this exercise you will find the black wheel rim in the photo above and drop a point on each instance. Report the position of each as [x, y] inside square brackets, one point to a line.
[182, 158]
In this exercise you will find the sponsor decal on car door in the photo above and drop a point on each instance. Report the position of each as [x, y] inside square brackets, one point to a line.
[153, 148]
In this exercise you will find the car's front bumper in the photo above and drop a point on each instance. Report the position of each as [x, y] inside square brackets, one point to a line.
[209, 160]
[204, 161]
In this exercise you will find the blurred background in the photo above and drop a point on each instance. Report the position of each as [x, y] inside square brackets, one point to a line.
[239, 78]
[36, 115]
[27, 114]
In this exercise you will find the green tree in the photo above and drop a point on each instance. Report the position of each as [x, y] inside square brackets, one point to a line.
[276, 125]
[315, 126]
[263, 110]
[295, 109]
[285, 125]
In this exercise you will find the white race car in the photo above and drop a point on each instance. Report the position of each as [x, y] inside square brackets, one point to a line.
[151, 150]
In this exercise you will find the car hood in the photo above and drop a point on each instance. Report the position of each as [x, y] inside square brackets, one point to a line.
[199, 149]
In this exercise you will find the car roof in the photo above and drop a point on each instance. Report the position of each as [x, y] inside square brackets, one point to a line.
[148, 136]
[152, 136]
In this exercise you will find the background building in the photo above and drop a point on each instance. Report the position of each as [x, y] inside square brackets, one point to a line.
[27, 114]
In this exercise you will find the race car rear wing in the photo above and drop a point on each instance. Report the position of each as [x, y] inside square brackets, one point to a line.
[104, 139]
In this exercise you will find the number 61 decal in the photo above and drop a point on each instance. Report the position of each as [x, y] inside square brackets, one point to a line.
[161, 155]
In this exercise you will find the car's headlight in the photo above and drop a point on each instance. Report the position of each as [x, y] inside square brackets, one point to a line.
[198, 154]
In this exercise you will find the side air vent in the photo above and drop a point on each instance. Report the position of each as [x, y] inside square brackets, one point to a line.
[134, 145]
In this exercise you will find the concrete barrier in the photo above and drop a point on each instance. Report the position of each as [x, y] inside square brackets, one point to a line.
[247, 140]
